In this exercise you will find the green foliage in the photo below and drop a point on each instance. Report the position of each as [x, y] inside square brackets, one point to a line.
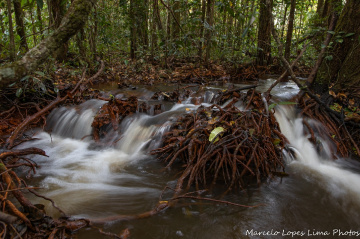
[234, 32]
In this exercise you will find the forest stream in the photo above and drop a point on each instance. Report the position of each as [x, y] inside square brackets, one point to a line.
[119, 176]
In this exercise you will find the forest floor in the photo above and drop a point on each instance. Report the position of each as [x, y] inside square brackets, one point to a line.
[26, 105]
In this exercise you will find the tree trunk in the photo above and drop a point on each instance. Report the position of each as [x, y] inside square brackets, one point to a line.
[229, 26]
[284, 21]
[20, 29]
[141, 22]
[320, 6]
[93, 34]
[58, 10]
[264, 34]
[341, 68]
[133, 46]
[201, 34]
[11, 31]
[175, 27]
[209, 30]
[2, 24]
[290, 30]
[154, 38]
[73, 21]
[38, 13]
[33, 24]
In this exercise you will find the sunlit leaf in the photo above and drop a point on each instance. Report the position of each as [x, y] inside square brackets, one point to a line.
[276, 141]
[214, 133]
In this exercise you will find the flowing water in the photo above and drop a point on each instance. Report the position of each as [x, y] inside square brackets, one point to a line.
[321, 196]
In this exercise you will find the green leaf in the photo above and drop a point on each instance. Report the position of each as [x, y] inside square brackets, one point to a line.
[19, 92]
[331, 32]
[214, 133]
[340, 40]
[276, 141]
[329, 58]
[56, 90]
[40, 73]
[25, 78]
[272, 106]
[349, 34]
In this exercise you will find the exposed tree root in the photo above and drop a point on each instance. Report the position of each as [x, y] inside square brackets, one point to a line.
[247, 147]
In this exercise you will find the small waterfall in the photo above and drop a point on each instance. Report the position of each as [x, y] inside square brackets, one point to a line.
[142, 132]
[330, 174]
[74, 122]
[83, 171]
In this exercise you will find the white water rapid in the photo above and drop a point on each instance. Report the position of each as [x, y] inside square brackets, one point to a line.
[117, 176]
[333, 175]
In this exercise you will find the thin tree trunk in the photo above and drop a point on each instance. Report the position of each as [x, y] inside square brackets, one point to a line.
[80, 39]
[203, 11]
[264, 34]
[11, 31]
[229, 27]
[153, 29]
[175, 26]
[93, 34]
[20, 29]
[38, 13]
[290, 30]
[33, 24]
[320, 6]
[2, 24]
[284, 21]
[73, 21]
[209, 30]
[168, 25]
[132, 30]
[144, 26]
[157, 15]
